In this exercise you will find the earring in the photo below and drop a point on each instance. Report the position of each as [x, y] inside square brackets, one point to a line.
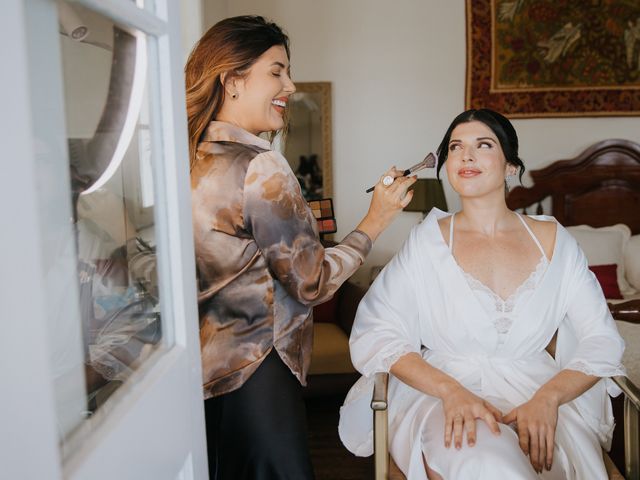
[234, 95]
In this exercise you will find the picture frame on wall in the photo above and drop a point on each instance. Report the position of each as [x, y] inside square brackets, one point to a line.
[551, 58]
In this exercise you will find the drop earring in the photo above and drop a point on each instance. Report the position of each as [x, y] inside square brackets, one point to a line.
[507, 183]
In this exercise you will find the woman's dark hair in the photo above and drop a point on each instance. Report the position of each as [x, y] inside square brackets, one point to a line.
[499, 124]
[230, 47]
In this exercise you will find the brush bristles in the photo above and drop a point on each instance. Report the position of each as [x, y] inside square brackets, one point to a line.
[430, 160]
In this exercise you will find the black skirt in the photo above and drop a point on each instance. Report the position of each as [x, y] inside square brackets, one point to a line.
[259, 431]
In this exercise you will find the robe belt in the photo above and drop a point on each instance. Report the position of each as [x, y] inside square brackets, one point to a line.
[514, 379]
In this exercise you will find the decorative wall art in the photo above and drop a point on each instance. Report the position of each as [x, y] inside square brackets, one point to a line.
[554, 58]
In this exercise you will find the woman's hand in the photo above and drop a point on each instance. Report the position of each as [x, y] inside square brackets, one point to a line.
[461, 409]
[536, 424]
[387, 201]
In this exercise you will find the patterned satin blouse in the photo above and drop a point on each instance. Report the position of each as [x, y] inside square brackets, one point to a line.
[261, 266]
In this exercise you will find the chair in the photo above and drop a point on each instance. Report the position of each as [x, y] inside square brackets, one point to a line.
[386, 469]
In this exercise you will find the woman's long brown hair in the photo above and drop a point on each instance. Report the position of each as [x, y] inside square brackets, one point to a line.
[230, 47]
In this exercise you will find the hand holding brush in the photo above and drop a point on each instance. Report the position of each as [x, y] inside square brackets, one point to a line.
[428, 162]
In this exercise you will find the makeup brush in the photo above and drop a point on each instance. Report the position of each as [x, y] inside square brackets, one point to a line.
[428, 162]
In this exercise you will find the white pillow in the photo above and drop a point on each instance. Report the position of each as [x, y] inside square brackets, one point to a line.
[632, 261]
[605, 246]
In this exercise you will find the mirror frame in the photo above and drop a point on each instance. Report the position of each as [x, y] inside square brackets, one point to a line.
[324, 89]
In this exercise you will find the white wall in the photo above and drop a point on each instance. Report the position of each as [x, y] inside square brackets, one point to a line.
[398, 76]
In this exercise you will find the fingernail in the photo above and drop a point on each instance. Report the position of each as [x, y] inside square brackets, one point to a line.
[471, 444]
[548, 467]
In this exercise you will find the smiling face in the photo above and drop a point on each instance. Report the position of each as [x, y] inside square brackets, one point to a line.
[262, 94]
[476, 165]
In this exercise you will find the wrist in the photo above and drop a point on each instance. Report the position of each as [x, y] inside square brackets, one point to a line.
[446, 388]
[549, 396]
[371, 226]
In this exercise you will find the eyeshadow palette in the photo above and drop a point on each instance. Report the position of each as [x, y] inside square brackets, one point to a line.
[328, 225]
[323, 213]
[322, 208]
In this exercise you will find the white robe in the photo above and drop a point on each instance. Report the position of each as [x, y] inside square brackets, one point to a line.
[421, 302]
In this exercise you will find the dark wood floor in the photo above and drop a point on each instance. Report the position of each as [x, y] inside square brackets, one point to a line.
[331, 461]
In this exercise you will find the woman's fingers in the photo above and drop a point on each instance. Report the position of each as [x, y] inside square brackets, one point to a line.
[457, 431]
[448, 430]
[497, 414]
[534, 449]
[406, 200]
[470, 427]
[510, 417]
[523, 438]
[542, 450]
[490, 420]
[393, 172]
[550, 444]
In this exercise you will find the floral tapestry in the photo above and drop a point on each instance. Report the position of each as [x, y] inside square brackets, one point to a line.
[553, 58]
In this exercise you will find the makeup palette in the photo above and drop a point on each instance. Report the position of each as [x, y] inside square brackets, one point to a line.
[323, 213]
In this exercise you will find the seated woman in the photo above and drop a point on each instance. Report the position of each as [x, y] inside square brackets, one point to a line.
[493, 329]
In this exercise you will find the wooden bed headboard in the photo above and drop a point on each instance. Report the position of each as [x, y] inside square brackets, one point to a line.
[599, 187]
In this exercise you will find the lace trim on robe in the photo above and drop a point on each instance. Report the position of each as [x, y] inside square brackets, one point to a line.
[387, 362]
[503, 323]
[585, 368]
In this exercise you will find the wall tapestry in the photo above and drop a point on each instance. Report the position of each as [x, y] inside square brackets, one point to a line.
[554, 58]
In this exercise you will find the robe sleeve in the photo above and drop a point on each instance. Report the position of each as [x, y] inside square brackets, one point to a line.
[279, 219]
[599, 346]
[386, 326]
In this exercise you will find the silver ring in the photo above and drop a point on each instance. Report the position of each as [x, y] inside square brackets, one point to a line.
[387, 180]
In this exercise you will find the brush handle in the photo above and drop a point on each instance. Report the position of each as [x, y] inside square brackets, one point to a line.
[428, 162]
[404, 174]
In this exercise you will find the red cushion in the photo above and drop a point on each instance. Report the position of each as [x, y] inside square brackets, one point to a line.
[326, 312]
[608, 278]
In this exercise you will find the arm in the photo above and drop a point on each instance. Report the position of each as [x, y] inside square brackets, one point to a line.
[461, 407]
[598, 354]
[278, 218]
[537, 418]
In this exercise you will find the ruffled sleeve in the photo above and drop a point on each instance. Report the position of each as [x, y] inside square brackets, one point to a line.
[599, 346]
[280, 221]
[386, 326]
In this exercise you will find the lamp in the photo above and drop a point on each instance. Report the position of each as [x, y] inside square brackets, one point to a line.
[427, 193]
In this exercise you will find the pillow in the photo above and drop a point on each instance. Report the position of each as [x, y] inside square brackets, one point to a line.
[607, 278]
[632, 262]
[605, 246]
[326, 312]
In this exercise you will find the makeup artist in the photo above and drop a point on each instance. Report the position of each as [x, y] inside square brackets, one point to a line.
[261, 266]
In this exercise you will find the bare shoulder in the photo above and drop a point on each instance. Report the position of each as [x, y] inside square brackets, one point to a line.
[545, 232]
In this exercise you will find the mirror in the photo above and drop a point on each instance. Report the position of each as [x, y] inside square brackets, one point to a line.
[307, 144]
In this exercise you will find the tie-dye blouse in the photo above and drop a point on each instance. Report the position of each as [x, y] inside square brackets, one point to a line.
[261, 266]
